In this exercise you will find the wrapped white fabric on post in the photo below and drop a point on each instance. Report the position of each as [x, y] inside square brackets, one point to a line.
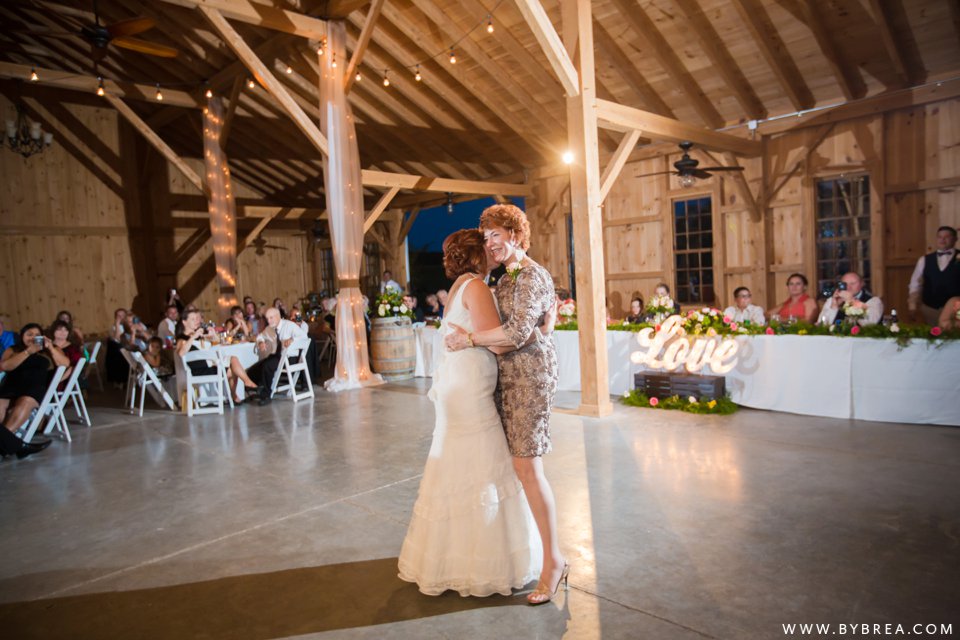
[223, 210]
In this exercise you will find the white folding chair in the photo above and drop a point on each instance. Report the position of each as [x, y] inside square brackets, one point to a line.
[293, 364]
[130, 394]
[147, 380]
[75, 394]
[93, 365]
[328, 348]
[208, 389]
[45, 409]
[60, 400]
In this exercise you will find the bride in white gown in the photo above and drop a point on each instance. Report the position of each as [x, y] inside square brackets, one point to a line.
[471, 529]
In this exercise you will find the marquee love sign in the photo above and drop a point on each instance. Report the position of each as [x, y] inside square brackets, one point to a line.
[670, 348]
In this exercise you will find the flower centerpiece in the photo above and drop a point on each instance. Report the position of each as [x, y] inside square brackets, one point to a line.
[390, 305]
[708, 321]
[855, 311]
[660, 307]
[567, 311]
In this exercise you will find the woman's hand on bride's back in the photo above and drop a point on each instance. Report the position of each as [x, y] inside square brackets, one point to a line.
[457, 338]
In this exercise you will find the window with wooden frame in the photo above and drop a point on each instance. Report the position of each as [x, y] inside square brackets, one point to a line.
[842, 228]
[326, 271]
[693, 250]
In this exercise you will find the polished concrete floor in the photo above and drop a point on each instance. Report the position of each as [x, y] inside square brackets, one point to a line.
[286, 521]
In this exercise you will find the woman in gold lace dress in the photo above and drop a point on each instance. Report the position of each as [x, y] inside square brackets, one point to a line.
[527, 377]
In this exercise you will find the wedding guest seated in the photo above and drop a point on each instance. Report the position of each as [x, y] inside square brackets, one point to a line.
[799, 305]
[851, 295]
[60, 331]
[279, 306]
[278, 335]
[76, 336]
[167, 328]
[663, 289]
[28, 367]
[187, 341]
[239, 328]
[743, 311]
[950, 315]
[173, 299]
[136, 333]
[411, 301]
[636, 315]
[250, 315]
[116, 364]
[7, 338]
[154, 357]
[442, 299]
[433, 305]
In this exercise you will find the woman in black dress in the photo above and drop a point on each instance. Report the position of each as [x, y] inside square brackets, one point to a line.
[29, 367]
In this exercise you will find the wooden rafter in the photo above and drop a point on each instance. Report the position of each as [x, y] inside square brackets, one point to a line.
[379, 208]
[890, 41]
[623, 118]
[611, 51]
[552, 46]
[615, 165]
[408, 224]
[232, 102]
[362, 42]
[422, 183]
[261, 15]
[765, 36]
[847, 75]
[713, 46]
[739, 181]
[819, 136]
[278, 214]
[659, 48]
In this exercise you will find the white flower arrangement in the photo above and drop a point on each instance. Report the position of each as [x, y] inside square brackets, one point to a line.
[855, 309]
[567, 308]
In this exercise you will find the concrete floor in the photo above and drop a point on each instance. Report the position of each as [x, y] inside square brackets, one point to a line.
[286, 521]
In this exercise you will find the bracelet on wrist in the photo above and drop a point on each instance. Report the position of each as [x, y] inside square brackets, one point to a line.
[470, 340]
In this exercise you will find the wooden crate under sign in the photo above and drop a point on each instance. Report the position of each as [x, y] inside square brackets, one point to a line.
[664, 385]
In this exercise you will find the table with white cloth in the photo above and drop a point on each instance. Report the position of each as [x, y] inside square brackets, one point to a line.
[429, 344]
[246, 353]
[837, 377]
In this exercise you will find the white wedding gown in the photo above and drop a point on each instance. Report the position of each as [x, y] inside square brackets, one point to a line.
[471, 529]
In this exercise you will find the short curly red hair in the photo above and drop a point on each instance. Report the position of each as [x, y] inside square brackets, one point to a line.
[511, 218]
[463, 252]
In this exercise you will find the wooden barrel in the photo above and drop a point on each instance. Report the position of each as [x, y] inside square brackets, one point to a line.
[393, 348]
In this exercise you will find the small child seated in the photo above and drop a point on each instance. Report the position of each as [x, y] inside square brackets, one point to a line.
[154, 357]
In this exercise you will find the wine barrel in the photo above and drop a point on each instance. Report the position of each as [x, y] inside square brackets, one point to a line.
[393, 348]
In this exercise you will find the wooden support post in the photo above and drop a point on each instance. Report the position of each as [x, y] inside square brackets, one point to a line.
[231, 111]
[379, 208]
[587, 218]
[610, 174]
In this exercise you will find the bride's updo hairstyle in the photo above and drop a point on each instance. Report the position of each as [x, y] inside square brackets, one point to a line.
[511, 218]
[463, 252]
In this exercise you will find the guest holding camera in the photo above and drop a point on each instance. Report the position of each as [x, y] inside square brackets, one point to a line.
[742, 311]
[799, 305]
[240, 327]
[29, 368]
[848, 295]
[187, 342]
[935, 279]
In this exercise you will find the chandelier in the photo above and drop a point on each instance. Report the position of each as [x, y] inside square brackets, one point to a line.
[25, 137]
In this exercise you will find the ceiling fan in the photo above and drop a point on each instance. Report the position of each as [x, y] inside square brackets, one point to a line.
[689, 169]
[118, 34]
[260, 246]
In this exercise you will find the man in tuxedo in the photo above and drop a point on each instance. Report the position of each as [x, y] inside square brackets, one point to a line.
[935, 279]
[278, 334]
[855, 295]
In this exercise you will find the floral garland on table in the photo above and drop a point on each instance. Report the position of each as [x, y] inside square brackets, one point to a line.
[691, 404]
[390, 305]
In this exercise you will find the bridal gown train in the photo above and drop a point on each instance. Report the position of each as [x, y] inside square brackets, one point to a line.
[471, 529]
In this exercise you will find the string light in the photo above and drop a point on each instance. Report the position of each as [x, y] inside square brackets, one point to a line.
[209, 93]
[100, 89]
[159, 93]
[386, 80]
[453, 56]
[33, 75]
[250, 83]
[334, 62]
[489, 23]
[321, 46]
[418, 77]
[359, 77]
[289, 69]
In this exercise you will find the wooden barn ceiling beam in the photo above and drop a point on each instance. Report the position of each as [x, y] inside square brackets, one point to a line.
[619, 159]
[343, 8]
[889, 40]
[774, 51]
[231, 111]
[619, 117]
[709, 40]
[659, 48]
[543, 30]
[261, 15]
[157, 142]
[80, 82]
[266, 79]
[379, 208]
[847, 75]
[423, 183]
[631, 75]
[362, 42]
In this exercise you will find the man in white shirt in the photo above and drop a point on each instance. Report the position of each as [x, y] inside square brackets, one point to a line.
[167, 328]
[742, 312]
[278, 335]
[935, 279]
[855, 295]
[388, 283]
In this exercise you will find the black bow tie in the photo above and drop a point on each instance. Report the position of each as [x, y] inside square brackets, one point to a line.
[945, 253]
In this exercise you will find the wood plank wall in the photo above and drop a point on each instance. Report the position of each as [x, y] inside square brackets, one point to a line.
[99, 221]
[912, 156]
